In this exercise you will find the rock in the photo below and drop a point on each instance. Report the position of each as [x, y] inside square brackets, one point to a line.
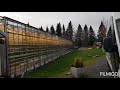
[89, 55]
[97, 55]
[89, 48]
[69, 73]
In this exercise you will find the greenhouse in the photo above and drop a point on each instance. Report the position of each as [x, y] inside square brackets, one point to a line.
[24, 47]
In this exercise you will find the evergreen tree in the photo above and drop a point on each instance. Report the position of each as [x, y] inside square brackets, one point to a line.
[63, 29]
[85, 36]
[41, 28]
[58, 29]
[101, 32]
[78, 36]
[91, 36]
[70, 31]
[52, 30]
[109, 32]
[47, 29]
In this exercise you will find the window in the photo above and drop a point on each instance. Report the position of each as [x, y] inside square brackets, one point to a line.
[27, 31]
[28, 40]
[16, 39]
[10, 27]
[24, 40]
[30, 31]
[31, 40]
[11, 39]
[1, 24]
[23, 29]
[20, 39]
[16, 30]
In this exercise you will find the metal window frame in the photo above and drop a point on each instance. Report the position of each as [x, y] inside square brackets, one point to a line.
[53, 49]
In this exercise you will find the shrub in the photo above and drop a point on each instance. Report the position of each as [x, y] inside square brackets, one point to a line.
[78, 62]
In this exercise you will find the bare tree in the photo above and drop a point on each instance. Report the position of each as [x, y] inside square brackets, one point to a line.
[106, 23]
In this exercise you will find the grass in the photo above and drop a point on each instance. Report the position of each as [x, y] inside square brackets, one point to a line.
[59, 67]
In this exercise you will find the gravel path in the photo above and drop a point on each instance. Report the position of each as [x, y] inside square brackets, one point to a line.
[83, 48]
[94, 70]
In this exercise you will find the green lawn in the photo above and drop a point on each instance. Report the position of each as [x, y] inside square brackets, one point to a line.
[59, 67]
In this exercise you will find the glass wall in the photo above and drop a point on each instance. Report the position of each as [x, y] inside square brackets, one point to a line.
[29, 48]
[2, 24]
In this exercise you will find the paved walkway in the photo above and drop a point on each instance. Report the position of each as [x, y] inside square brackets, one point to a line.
[94, 70]
[83, 48]
[100, 65]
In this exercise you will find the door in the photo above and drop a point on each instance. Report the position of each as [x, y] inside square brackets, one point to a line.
[2, 57]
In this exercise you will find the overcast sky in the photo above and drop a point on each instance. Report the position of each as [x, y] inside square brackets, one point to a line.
[44, 19]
